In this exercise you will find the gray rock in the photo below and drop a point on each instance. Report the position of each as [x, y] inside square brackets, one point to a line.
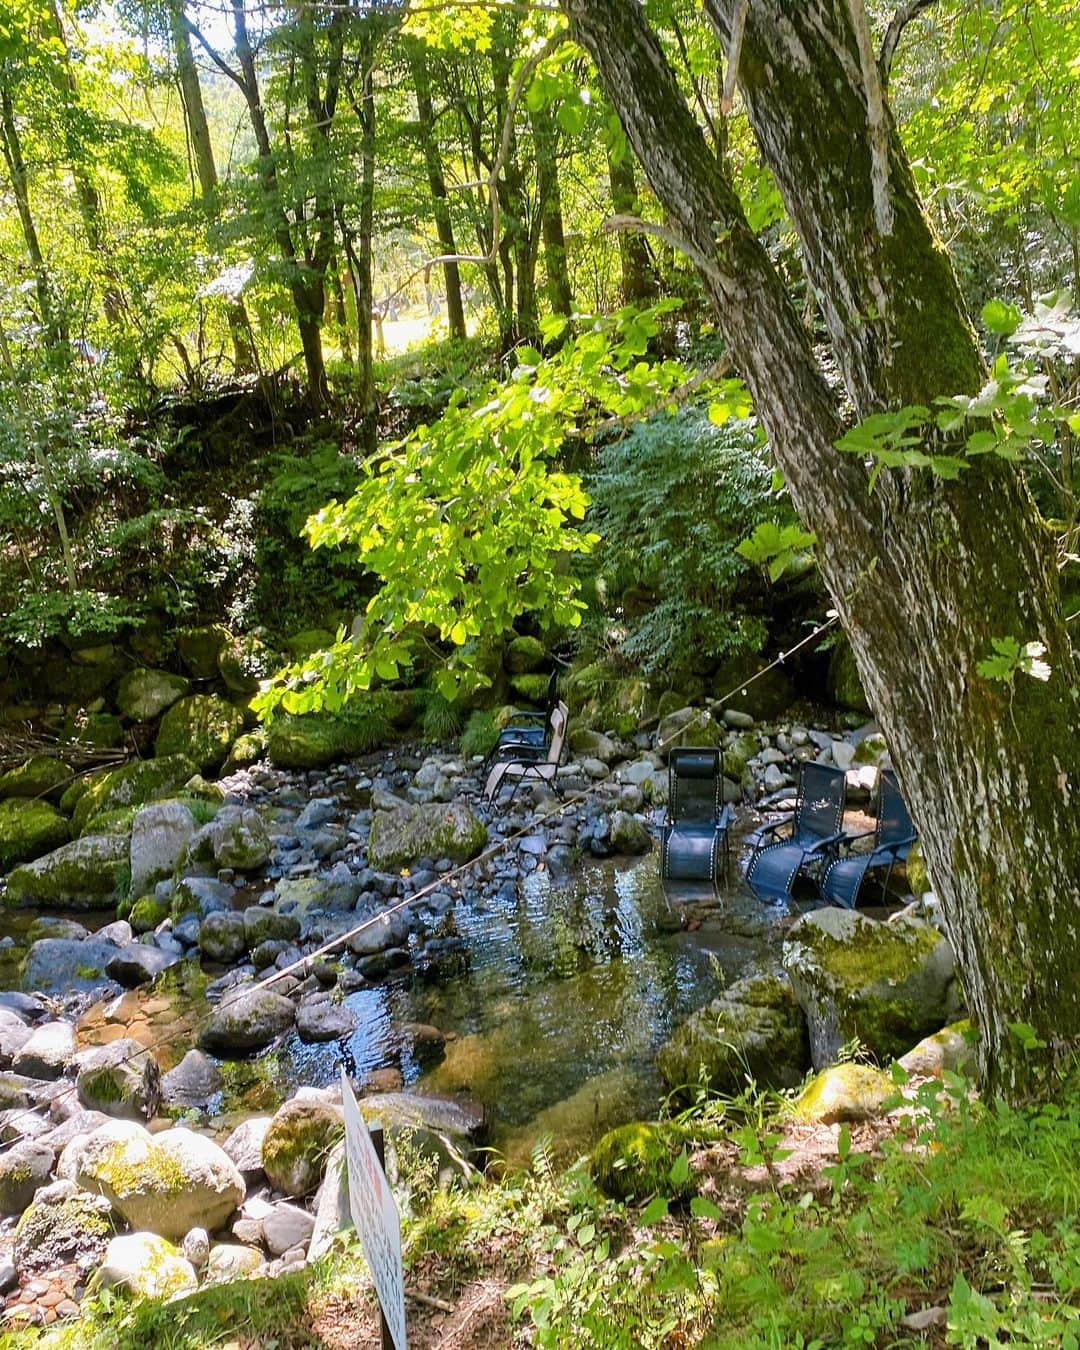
[63, 1224]
[324, 1021]
[286, 1227]
[201, 896]
[47, 1052]
[24, 1169]
[401, 836]
[297, 1144]
[88, 873]
[381, 935]
[628, 835]
[843, 753]
[159, 834]
[888, 984]
[147, 1266]
[196, 1247]
[59, 963]
[138, 963]
[236, 838]
[120, 1079]
[263, 925]
[738, 721]
[145, 694]
[332, 1212]
[319, 811]
[221, 937]
[192, 1083]
[247, 1020]
[244, 1145]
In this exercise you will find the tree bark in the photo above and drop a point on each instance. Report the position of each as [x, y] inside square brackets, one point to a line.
[545, 143]
[52, 319]
[416, 53]
[202, 151]
[363, 283]
[639, 285]
[921, 578]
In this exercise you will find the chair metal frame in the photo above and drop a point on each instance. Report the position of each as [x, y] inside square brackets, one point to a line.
[721, 816]
[893, 850]
[520, 761]
[806, 845]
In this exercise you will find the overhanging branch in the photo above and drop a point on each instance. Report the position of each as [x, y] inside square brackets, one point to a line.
[899, 22]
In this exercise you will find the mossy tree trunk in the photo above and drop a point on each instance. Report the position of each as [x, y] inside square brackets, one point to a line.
[923, 572]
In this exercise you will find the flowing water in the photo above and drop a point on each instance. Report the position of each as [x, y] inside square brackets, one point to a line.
[552, 1019]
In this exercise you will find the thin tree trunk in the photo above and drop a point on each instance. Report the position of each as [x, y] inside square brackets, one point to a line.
[364, 294]
[639, 285]
[202, 150]
[922, 581]
[416, 52]
[545, 144]
[51, 318]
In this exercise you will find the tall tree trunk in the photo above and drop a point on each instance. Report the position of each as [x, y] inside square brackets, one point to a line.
[202, 151]
[364, 297]
[416, 52]
[639, 285]
[305, 285]
[52, 318]
[85, 191]
[545, 144]
[922, 581]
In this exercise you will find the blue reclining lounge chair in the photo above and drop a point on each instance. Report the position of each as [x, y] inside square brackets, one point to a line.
[893, 838]
[813, 832]
[518, 762]
[530, 726]
[695, 833]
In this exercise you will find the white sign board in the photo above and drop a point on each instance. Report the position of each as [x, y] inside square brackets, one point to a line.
[375, 1215]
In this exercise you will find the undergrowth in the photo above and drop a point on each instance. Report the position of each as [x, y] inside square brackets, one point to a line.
[966, 1209]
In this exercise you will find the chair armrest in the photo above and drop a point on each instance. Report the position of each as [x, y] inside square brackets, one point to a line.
[846, 840]
[764, 830]
[823, 845]
[725, 817]
[897, 844]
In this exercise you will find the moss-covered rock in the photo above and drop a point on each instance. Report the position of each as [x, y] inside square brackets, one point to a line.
[145, 694]
[39, 776]
[235, 838]
[637, 1160]
[767, 697]
[524, 655]
[142, 780]
[166, 1183]
[246, 750]
[737, 754]
[117, 820]
[316, 739]
[688, 726]
[159, 835]
[532, 688]
[89, 873]
[75, 790]
[201, 727]
[886, 984]
[120, 1079]
[101, 730]
[199, 647]
[63, 1224]
[435, 830]
[28, 829]
[845, 1092]
[950, 1050]
[481, 734]
[755, 1029]
[301, 645]
[843, 683]
[297, 1144]
[628, 836]
[147, 912]
[247, 1020]
[146, 1266]
[243, 661]
[24, 1169]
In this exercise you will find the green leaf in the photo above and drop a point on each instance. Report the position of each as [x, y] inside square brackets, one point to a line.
[703, 1208]
[654, 1211]
[680, 1169]
[1001, 318]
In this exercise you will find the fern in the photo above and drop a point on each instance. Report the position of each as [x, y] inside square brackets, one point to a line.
[480, 736]
[441, 721]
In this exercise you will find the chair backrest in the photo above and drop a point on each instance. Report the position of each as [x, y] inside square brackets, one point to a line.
[819, 807]
[552, 698]
[560, 715]
[695, 778]
[893, 822]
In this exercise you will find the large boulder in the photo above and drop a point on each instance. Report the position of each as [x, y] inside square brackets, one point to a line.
[845, 1092]
[63, 1224]
[316, 739]
[193, 1082]
[165, 1183]
[159, 834]
[753, 688]
[688, 726]
[69, 964]
[842, 683]
[29, 828]
[221, 937]
[297, 1144]
[202, 727]
[24, 1169]
[246, 1020]
[235, 838]
[524, 655]
[47, 1052]
[628, 835]
[145, 694]
[39, 776]
[434, 830]
[120, 1079]
[143, 780]
[637, 1160]
[244, 661]
[147, 1266]
[138, 963]
[888, 984]
[268, 925]
[88, 873]
[754, 1028]
[199, 648]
